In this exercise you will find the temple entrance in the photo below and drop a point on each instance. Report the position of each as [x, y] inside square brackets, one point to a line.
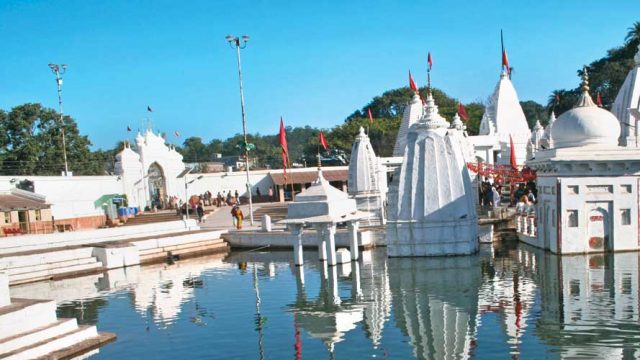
[157, 186]
[599, 228]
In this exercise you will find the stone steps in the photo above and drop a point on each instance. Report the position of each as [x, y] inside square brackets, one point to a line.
[48, 331]
[189, 249]
[49, 345]
[43, 267]
[25, 315]
[91, 265]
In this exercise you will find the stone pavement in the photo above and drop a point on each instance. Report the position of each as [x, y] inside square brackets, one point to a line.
[220, 219]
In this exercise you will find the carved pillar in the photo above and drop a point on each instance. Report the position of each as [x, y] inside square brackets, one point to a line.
[353, 237]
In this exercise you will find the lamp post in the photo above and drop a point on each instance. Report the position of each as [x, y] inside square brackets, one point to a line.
[234, 42]
[58, 70]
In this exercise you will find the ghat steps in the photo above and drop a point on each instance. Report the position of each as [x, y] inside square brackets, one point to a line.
[69, 261]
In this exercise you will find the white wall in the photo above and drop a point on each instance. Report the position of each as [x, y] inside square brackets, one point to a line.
[623, 194]
[70, 197]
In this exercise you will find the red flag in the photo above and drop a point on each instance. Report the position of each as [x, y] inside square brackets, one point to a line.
[412, 84]
[323, 141]
[462, 112]
[370, 116]
[512, 159]
[505, 61]
[599, 100]
[429, 61]
[283, 137]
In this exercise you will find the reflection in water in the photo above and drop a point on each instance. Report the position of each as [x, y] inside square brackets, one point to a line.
[509, 301]
[435, 304]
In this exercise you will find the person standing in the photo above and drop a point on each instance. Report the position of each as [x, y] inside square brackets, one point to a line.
[270, 194]
[234, 214]
[239, 218]
[200, 211]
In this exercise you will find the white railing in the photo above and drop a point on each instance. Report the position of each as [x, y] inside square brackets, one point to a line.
[526, 219]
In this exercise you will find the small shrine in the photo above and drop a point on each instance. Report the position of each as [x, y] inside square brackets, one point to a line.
[367, 181]
[323, 207]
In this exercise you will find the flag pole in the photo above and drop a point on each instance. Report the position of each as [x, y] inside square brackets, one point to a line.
[293, 193]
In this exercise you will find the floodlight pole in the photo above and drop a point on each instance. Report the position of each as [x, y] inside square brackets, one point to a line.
[58, 70]
[235, 42]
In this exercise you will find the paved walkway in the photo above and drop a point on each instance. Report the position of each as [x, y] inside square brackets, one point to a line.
[221, 219]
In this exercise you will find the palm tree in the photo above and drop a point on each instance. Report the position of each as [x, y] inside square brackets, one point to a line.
[634, 33]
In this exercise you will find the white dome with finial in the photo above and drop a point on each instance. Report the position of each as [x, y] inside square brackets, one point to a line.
[586, 124]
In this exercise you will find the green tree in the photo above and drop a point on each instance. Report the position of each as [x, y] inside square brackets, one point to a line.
[533, 112]
[32, 143]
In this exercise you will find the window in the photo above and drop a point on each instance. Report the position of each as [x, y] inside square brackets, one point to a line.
[625, 216]
[38, 215]
[625, 189]
[574, 287]
[572, 218]
[7, 217]
[573, 189]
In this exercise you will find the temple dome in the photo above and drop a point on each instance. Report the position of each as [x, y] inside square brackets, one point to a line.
[586, 124]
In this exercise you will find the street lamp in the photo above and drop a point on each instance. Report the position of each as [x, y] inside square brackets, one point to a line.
[234, 42]
[58, 70]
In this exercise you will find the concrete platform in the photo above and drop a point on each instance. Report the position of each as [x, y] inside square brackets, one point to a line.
[285, 239]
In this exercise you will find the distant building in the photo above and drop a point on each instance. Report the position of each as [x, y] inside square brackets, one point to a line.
[24, 212]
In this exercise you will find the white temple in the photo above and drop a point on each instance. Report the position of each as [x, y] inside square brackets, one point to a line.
[587, 184]
[412, 113]
[435, 212]
[503, 117]
[546, 142]
[367, 180]
[149, 174]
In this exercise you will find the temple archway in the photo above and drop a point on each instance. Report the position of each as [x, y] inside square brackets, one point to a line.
[157, 186]
[599, 229]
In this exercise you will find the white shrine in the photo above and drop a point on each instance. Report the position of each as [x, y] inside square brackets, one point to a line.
[367, 180]
[587, 184]
[503, 118]
[323, 207]
[435, 211]
[627, 100]
[149, 174]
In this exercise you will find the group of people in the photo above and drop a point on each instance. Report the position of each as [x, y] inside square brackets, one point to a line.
[490, 194]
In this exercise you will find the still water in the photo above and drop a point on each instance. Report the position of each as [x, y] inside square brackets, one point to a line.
[509, 301]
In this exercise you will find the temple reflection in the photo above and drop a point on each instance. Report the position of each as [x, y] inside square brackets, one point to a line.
[435, 304]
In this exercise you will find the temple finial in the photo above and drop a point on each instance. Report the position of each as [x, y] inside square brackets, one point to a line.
[585, 98]
[585, 79]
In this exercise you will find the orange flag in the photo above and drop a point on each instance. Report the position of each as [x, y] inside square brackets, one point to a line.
[323, 141]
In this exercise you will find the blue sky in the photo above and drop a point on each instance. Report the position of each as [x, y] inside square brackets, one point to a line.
[313, 62]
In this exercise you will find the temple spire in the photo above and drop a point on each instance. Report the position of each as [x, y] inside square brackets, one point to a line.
[585, 99]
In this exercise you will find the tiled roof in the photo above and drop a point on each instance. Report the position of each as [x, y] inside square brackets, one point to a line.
[16, 201]
[305, 177]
